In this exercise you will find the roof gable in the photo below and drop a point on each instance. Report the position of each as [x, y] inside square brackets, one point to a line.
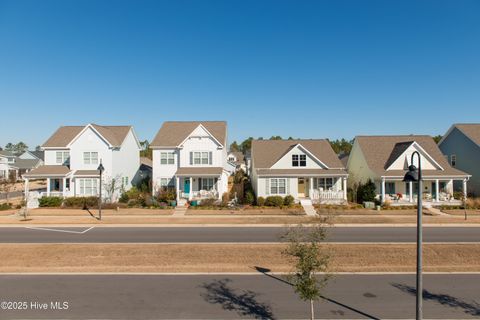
[265, 153]
[470, 130]
[174, 133]
[64, 136]
[379, 150]
[401, 157]
[285, 160]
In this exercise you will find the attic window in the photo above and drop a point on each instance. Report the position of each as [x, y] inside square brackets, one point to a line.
[453, 160]
[299, 160]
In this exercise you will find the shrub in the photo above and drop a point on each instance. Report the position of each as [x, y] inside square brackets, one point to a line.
[5, 206]
[458, 195]
[366, 192]
[260, 201]
[166, 195]
[274, 201]
[80, 202]
[249, 197]
[288, 200]
[208, 202]
[50, 202]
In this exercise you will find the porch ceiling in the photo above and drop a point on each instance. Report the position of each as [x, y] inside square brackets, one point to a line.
[200, 171]
[48, 171]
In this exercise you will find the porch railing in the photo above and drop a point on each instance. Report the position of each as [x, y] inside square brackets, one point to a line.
[52, 194]
[202, 194]
[327, 195]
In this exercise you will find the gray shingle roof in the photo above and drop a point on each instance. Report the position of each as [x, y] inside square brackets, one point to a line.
[172, 133]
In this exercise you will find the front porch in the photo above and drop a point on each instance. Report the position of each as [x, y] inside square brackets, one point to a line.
[199, 183]
[436, 191]
[324, 190]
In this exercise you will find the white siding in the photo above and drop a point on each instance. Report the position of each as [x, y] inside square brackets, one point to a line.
[126, 160]
[286, 161]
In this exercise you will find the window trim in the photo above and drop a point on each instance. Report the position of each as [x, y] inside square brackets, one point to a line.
[168, 157]
[64, 156]
[90, 158]
[82, 186]
[202, 161]
[275, 186]
[453, 160]
[299, 160]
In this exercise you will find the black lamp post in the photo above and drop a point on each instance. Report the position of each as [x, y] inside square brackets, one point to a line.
[415, 175]
[100, 170]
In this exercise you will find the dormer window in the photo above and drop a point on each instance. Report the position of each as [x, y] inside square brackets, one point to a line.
[299, 160]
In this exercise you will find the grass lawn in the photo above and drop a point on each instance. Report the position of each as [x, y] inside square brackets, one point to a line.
[228, 258]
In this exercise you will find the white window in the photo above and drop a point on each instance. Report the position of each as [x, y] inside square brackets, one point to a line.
[88, 187]
[167, 158]
[207, 184]
[324, 183]
[200, 158]
[62, 157]
[299, 160]
[278, 186]
[90, 158]
[166, 183]
[453, 160]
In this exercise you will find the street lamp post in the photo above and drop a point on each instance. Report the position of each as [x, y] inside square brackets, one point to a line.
[415, 175]
[100, 170]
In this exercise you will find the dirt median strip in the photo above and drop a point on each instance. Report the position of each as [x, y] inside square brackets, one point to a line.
[228, 257]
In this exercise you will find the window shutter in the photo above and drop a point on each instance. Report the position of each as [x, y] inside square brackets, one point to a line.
[287, 185]
[191, 158]
[267, 186]
[210, 157]
[199, 183]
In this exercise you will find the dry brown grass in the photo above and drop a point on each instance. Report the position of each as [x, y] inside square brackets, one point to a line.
[227, 258]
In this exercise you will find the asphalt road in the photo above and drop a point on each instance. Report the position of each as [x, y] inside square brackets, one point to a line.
[260, 296]
[228, 234]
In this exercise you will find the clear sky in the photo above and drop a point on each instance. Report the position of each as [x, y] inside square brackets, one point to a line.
[319, 69]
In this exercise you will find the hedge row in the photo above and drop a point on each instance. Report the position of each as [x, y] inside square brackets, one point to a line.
[73, 202]
[275, 201]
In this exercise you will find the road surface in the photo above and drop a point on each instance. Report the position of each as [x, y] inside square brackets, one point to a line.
[447, 296]
[227, 234]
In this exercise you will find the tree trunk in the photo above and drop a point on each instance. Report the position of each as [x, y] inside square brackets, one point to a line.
[312, 312]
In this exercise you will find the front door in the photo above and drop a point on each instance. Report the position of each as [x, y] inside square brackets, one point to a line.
[301, 187]
[186, 186]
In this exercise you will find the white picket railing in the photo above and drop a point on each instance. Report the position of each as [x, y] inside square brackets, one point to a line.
[327, 195]
[51, 194]
[202, 194]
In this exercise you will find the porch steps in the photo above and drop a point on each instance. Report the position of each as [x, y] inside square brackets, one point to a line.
[180, 209]
[436, 211]
[308, 207]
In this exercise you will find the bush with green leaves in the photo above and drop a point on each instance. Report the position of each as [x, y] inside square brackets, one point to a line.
[132, 194]
[5, 206]
[249, 198]
[288, 201]
[260, 201]
[50, 202]
[80, 202]
[274, 201]
[366, 192]
[166, 195]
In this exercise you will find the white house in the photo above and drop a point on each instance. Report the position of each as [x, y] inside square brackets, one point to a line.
[191, 157]
[238, 160]
[73, 154]
[385, 160]
[304, 169]
[17, 165]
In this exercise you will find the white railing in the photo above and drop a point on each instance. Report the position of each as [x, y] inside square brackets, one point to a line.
[202, 194]
[51, 194]
[327, 195]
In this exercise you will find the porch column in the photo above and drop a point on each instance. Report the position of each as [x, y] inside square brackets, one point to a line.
[310, 188]
[48, 187]
[220, 190]
[410, 196]
[344, 188]
[383, 190]
[450, 187]
[437, 189]
[190, 189]
[26, 190]
[465, 189]
[177, 187]
[64, 183]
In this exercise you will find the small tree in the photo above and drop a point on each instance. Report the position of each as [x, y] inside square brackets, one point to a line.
[309, 260]
[366, 192]
[111, 186]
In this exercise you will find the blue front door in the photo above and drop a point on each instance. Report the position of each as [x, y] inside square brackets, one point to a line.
[186, 186]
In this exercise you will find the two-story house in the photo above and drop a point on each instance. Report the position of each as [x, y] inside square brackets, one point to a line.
[191, 156]
[305, 169]
[385, 160]
[461, 147]
[12, 166]
[7, 159]
[73, 154]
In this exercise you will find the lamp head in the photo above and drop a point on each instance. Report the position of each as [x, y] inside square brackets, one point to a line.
[100, 167]
[411, 175]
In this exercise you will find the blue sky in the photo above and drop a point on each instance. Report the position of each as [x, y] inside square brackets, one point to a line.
[292, 68]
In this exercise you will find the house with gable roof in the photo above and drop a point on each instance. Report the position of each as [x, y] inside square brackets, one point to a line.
[304, 169]
[461, 146]
[72, 156]
[191, 156]
[385, 160]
